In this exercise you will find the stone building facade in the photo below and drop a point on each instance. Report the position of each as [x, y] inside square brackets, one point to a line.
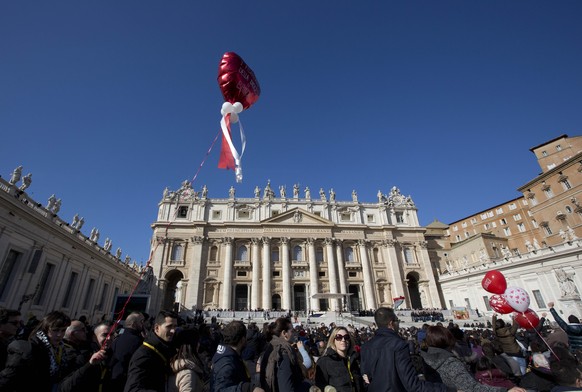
[47, 263]
[289, 251]
[532, 239]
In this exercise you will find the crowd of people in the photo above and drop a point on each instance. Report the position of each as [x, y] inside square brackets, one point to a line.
[167, 353]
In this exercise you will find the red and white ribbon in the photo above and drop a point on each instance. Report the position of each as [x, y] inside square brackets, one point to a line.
[230, 113]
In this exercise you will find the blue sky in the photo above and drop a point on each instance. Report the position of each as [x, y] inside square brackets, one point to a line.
[106, 103]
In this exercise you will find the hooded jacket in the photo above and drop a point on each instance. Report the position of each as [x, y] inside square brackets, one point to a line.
[453, 372]
[229, 373]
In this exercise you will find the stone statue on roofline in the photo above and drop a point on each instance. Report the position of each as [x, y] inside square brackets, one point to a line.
[16, 175]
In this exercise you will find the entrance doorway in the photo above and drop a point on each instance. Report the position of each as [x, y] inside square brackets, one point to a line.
[355, 302]
[299, 297]
[413, 292]
[276, 302]
[241, 297]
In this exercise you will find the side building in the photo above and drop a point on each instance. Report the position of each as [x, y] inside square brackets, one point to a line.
[289, 252]
[533, 239]
[48, 264]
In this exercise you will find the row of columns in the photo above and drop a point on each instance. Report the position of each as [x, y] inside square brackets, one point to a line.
[261, 294]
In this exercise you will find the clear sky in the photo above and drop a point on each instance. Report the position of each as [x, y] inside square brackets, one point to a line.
[108, 102]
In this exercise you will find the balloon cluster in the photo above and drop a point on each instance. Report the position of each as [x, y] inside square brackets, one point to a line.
[240, 90]
[232, 109]
[509, 299]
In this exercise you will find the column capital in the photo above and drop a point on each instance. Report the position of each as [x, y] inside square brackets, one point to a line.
[310, 241]
[328, 241]
[389, 243]
[285, 240]
[266, 240]
[255, 241]
[423, 244]
[227, 240]
[197, 240]
[363, 242]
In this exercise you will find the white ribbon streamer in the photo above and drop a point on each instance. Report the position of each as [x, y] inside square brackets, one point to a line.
[237, 158]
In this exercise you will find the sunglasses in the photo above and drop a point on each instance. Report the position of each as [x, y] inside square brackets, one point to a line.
[345, 338]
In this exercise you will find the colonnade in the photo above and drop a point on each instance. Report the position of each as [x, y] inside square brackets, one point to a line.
[337, 279]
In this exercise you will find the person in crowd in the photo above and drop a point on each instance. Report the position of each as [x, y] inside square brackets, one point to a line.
[77, 342]
[506, 336]
[494, 352]
[339, 366]
[39, 363]
[451, 369]
[149, 366]
[487, 373]
[123, 348]
[539, 377]
[573, 329]
[280, 367]
[10, 322]
[229, 373]
[189, 371]
[567, 375]
[386, 363]
[94, 375]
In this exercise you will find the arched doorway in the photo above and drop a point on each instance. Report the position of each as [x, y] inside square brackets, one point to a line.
[241, 296]
[173, 294]
[276, 302]
[413, 292]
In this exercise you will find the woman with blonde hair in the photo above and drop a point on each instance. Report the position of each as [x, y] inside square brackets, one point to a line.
[340, 364]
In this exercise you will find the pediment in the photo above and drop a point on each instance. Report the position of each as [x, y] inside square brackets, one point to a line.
[298, 216]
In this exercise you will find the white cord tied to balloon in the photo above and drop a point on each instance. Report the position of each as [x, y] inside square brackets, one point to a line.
[231, 112]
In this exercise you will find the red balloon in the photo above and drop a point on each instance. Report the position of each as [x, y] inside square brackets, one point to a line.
[528, 319]
[499, 304]
[494, 282]
[237, 81]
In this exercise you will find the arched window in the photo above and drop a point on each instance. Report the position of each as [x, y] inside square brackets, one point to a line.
[177, 252]
[349, 254]
[297, 253]
[242, 253]
[213, 253]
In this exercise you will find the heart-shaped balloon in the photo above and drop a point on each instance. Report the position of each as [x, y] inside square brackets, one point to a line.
[517, 297]
[528, 319]
[499, 304]
[237, 81]
[494, 282]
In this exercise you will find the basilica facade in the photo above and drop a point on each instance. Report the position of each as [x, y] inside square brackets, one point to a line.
[293, 252]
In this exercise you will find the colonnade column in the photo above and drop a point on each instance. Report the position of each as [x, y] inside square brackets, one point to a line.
[332, 269]
[267, 304]
[339, 251]
[286, 300]
[192, 291]
[391, 258]
[313, 284]
[227, 291]
[433, 295]
[368, 280]
[256, 274]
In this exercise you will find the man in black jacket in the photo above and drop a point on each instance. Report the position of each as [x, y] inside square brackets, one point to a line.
[386, 362]
[123, 348]
[150, 364]
[229, 373]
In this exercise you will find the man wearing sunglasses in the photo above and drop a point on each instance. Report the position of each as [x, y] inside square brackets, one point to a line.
[10, 323]
[386, 363]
